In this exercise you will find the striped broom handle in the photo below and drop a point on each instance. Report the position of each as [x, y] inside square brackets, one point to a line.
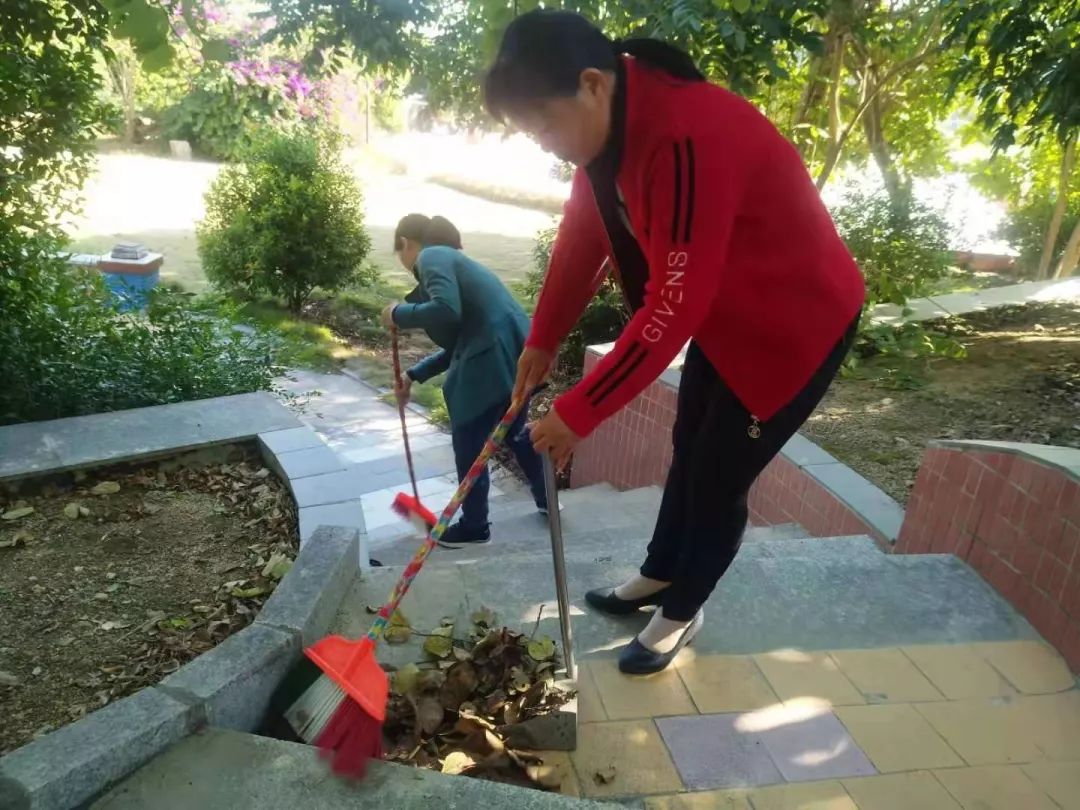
[401, 411]
[432, 539]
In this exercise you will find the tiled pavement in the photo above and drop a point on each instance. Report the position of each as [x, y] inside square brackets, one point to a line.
[984, 726]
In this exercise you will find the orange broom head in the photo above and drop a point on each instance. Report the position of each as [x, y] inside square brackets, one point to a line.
[352, 666]
[415, 512]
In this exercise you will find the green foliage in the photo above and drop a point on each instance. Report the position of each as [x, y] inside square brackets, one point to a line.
[1022, 60]
[900, 244]
[1025, 225]
[287, 219]
[66, 351]
[375, 33]
[222, 113]
[602, 321]
[49, 108]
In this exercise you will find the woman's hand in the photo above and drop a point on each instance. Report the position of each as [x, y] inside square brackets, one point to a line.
[403, 392]
[551, 435]
[532, 369]
[387, 316]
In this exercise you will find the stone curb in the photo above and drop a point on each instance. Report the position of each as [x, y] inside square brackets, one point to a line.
[312, 591]
[73, 764]
[1064, 459]
[229, 686]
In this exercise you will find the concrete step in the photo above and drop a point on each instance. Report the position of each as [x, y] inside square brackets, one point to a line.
[813, 594]
[220, 770]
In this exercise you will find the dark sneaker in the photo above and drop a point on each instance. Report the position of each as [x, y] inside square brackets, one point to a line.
[543, 510]
[461, 535]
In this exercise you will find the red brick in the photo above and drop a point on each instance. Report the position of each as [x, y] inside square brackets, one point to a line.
[1048, 618]
[974, 478]
[1004, 579]
[956, 469]
[1026, 557]
[1023, 474]
[1069, 501]
[1001, 463]
[1070, 601]
[1023, 593]
[1018, 507]
[1069, 545]
[980, 558]
[1050, 577]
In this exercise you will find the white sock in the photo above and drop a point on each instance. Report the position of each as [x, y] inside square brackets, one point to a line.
[638, 587]
[661, 635]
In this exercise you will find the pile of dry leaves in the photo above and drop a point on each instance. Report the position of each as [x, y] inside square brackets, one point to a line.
[455, 711]
[112, 580]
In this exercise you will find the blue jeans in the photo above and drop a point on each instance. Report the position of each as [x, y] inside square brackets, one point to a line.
[468, 440]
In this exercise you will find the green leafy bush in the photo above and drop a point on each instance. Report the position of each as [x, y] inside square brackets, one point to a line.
[287, 219]
[900, 244]
[223, 112]
[602, 321]
[1025, 229]
[65, 350]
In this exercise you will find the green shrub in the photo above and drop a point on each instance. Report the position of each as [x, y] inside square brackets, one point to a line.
[65, 350]
[1025, 229]
[603, 319]
[901, 245]
[287, 219]
[222, 114]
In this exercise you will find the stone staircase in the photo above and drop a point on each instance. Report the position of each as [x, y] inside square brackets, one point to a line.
[809, 597]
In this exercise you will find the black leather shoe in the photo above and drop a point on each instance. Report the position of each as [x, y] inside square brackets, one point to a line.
[459, 535]
[637, 659]
[605, 600]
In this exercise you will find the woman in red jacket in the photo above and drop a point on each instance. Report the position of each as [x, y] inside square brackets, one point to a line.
[718, 238]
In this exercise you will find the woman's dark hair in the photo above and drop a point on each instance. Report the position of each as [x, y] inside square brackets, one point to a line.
[543, 53]
[428, 231]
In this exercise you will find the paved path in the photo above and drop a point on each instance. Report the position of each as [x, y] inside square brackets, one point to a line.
[365, 432]
[942, 306]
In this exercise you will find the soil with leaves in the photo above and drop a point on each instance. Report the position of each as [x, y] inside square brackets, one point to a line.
[455, 711]
[1019, 382]
[110, 581]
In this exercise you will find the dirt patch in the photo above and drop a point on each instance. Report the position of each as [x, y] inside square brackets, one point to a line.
[1019, 382]
[111, 580]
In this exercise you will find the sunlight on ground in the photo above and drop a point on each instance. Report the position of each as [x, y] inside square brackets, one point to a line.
[158, 200]
[796, 710]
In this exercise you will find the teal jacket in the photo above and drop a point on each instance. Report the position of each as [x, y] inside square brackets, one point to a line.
[477, 324]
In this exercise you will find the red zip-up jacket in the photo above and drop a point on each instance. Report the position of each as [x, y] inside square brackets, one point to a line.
[733, 245]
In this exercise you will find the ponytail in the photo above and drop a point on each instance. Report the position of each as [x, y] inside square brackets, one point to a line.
[661, 55]
[428, 231]
[543, 53]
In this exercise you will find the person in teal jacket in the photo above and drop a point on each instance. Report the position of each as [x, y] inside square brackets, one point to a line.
[480, 330]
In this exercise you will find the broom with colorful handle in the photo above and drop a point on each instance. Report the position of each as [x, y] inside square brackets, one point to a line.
[409, 507]
[336, 698]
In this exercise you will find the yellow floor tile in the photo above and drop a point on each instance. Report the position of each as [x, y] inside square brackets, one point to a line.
[726, 683]
[1059, 780]
[559, 762]
[958, 671]
[918, 790]
[708, 800]
[590, 706]
[897, 738]
[995, 787]
[796, 674]
[634, 751]
[1052, 722]
[983, 732]
[1031, 666]
[803, 796]
[885, 676]
[629, 697]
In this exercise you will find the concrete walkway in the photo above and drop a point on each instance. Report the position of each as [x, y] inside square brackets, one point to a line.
[365, 433]
[953, 304]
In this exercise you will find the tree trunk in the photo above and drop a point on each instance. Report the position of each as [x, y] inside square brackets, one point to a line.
[1068, 156]
[832, 154]
[1071, 256]
[879, 147]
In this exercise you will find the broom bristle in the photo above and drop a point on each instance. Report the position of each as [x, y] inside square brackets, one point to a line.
[313, 710]
[351, 739]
